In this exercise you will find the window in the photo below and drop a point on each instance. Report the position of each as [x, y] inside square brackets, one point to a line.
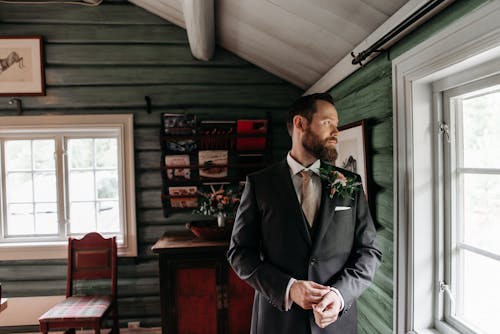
[65, 176]
[444, 268]
[472, 193]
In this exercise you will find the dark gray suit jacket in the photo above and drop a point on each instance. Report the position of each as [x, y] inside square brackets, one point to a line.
[271, 243]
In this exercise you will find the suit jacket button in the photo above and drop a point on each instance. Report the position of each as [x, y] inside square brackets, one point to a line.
[314, 261]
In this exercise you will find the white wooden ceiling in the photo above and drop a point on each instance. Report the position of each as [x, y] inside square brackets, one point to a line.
[297, 40]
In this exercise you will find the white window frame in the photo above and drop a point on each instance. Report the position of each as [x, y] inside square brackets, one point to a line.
[452, 157]
[122, 125]
[464, 51]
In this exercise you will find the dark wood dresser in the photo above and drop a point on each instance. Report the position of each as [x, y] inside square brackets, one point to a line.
[199, 292]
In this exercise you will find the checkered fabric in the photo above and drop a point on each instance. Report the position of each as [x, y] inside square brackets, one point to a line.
[77, 308]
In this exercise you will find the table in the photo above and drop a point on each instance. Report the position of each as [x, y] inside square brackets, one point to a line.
[199, 292]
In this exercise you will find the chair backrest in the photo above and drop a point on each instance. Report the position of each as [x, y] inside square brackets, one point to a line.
[90, 258]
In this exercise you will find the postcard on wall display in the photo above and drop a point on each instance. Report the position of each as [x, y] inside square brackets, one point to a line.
[217, 134]
[213, 163]
[183, 173]
[251, 134]
[184, 202]
[180, 145]
[179, 124]
[182, 191]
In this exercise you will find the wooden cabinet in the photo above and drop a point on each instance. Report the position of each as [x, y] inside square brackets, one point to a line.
[199, 292]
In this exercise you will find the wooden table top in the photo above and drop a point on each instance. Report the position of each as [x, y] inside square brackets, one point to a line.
[3, 304]
[171, 241]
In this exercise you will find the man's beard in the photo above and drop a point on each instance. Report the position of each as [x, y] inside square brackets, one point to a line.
[318, 148]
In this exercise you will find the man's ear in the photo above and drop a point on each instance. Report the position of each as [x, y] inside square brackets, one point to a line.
[299, 122]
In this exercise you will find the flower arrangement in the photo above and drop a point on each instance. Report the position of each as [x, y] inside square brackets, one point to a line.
[218, 202]
[339, 183]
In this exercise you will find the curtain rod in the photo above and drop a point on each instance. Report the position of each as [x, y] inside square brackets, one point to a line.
[419, 14]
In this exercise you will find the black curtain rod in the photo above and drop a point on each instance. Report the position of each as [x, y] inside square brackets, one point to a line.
[417, 15]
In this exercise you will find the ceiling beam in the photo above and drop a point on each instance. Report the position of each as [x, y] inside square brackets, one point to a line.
[200, 27]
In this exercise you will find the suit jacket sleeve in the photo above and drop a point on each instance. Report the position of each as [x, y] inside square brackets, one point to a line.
[244, 253]
[357, 274]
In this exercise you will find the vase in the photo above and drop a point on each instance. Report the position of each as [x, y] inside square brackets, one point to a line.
[221, 219]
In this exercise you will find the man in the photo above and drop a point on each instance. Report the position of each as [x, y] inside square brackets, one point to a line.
[308, 256]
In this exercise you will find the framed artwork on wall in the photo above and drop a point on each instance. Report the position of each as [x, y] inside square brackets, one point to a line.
[21, 65]
[351, 149]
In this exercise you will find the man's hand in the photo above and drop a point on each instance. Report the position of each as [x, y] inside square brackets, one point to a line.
[327, 311]
[307, 293]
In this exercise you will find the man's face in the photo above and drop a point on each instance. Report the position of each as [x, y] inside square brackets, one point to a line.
[320, 135]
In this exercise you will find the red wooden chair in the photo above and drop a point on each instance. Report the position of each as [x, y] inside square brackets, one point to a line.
[90, 258]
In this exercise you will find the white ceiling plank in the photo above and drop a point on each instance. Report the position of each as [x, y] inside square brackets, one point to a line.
[325, 19]
[388, 7]
[170, 10]
[200, 27]
[302, 35]
[353, 10]
[267, 52]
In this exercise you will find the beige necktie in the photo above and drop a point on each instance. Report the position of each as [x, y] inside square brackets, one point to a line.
[307, 201]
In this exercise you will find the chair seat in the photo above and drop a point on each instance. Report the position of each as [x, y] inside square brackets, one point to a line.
[75, 307]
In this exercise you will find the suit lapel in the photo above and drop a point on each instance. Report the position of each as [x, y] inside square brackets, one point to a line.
[291, 201]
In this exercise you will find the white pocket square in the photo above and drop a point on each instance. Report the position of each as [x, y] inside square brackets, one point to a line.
[342, 208]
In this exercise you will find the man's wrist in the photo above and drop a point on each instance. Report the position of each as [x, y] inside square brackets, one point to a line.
[337, 292]
[288, 297]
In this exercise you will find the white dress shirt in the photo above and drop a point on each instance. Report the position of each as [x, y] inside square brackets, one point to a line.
[295, 169]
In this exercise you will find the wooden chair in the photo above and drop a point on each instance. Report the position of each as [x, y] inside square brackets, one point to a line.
[90, 258]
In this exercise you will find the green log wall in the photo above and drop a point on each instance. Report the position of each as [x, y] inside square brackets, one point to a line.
[367, 94]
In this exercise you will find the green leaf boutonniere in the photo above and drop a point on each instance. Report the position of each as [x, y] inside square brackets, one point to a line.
[338, 182]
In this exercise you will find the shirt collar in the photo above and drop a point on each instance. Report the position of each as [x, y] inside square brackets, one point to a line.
[296, 167]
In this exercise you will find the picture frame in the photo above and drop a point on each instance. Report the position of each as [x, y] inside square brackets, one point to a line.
[351, 147]
[21, 66]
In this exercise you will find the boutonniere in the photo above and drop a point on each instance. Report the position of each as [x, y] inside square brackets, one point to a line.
[339, 183]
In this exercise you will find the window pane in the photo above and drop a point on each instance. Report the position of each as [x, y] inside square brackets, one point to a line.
[481, 131]
[46, 218]
[478, 303]
[481, 210]
[18, 155]
[88, 188]
[107, 216]
[81, 153]
[106, 153]
[107, 185]
[43, 152]
[20, 218]
[19, 188]
[81, 186]
[45, 187]
[82, 217]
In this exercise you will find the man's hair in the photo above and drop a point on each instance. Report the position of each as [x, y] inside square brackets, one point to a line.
[305, 106]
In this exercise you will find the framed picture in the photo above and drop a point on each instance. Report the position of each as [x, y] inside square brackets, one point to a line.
[352, 149]
[21, 65]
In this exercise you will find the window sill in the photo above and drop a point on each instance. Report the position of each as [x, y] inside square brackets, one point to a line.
[48, 251]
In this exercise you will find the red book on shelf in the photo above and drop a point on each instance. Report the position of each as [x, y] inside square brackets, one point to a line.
[256, 130]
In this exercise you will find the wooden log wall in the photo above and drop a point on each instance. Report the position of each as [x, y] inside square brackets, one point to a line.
[367, 94]
[104, 60]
